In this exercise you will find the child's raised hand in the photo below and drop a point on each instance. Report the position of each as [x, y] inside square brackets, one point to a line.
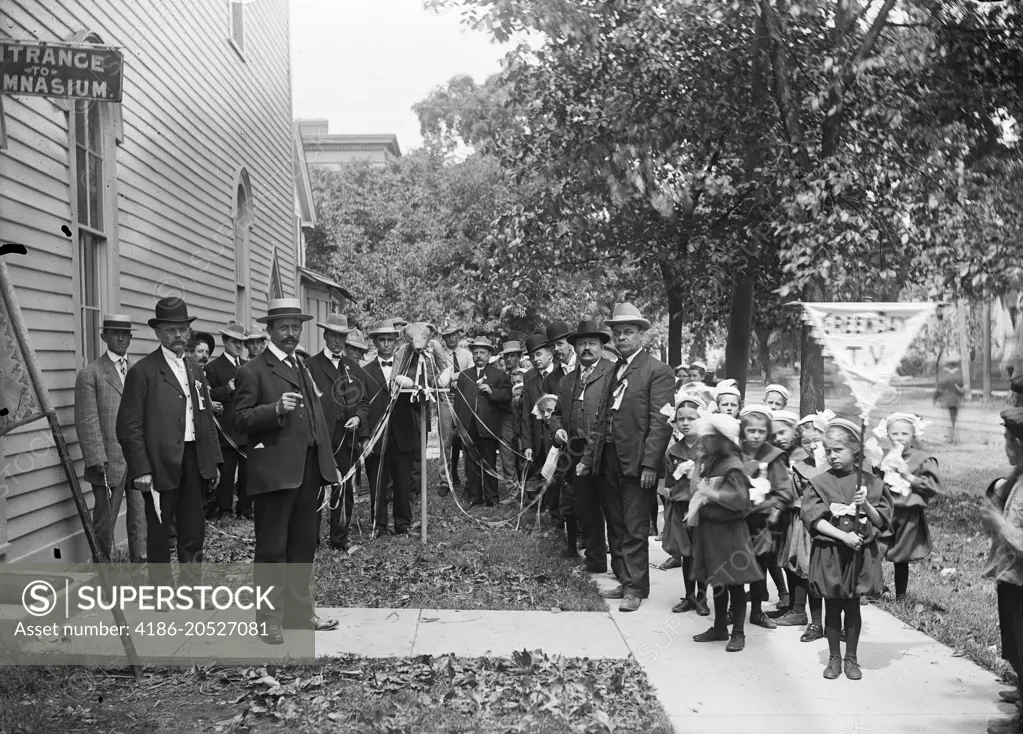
[860, 497]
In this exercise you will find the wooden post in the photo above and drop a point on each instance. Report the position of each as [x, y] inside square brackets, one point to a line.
[423, 429]
[99, 555]
[986, 349]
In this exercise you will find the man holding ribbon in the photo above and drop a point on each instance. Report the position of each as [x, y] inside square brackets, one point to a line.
[345, 400]
[626, 451]
[165, 428]
[98, 389]
[221, 373]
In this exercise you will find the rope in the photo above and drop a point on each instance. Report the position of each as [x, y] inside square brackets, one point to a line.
[230, 441]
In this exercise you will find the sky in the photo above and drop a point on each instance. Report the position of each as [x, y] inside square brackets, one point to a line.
[362, 64]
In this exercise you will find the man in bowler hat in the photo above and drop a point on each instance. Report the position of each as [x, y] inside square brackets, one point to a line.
[277, 406]
[166, 431]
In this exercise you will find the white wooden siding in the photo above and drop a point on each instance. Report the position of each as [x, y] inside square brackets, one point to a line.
[194, 113]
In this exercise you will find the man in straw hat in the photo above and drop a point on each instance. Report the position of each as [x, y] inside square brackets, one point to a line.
[356, 347]
[221, 374]
[255, 342]
[345, 400]
[512, 352]
[277, 406]
[482, 396]
[627, 448]
[574, 419]
[459, 359]
[165, 428]
[98, 390]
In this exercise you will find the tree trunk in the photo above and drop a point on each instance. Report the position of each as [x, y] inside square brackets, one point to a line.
[763, 340]
[698, 349]
[964, 347]
[986, 349]
[811, 369]
[740, 328]
[675, 314]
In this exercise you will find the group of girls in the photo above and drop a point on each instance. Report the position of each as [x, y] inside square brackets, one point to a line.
[754, 491]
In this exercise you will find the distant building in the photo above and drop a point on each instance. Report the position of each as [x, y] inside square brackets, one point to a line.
[185, 187]
[332, 151]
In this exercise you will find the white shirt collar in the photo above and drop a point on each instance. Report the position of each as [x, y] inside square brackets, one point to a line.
[548, 369]
[277, 352]
[330, 355]
[115, 358]
[632, 356]
[172, 358]
[389, 359]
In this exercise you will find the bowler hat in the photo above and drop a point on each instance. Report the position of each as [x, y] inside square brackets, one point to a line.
[336, 322]
[234, 330]
[535, 341]
[483, 342]
[557, 330]
[511, 347]
[207, 339]
[171, 310]
[284, 308]
[112, 321]
[626, 313]
[383, 328]
[588, 328]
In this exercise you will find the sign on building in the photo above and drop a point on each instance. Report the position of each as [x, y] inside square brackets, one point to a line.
[84, 71]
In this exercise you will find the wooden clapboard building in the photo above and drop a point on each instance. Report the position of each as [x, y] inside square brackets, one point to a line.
[185, 187]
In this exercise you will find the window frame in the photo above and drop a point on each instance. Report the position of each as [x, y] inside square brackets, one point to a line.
[242, 219]
[236, 11]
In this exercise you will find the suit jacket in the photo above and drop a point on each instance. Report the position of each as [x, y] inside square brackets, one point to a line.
[345, 396]
[640, 430]
[551, 384]
[151, 422]
[403, 429]
[277, 445]
[219, 372]
[485, 412]
[530, 429]
[97, 397]
[578, 417]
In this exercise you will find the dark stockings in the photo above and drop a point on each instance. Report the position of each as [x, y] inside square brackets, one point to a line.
[738, 598]
[757, 592]
[687, 578]
[816, 605]
[572, 530]
[901, 579]
[778, 577]
[834, 609]
[797, 592]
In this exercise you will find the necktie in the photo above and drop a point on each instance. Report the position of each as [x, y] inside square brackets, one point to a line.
[122, 364]
[387, 363]
[335, 358]
[290, 361]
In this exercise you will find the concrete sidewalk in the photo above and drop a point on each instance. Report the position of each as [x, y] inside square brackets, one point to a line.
[911, 683]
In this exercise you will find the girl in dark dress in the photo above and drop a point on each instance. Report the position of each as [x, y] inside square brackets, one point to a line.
[911, 477]
[771, 497]
[722, 552]
[844, 521]
[679, 465]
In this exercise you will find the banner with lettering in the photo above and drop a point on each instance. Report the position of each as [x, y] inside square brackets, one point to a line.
[867, 341]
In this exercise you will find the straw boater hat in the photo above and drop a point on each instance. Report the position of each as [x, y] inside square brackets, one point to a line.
[284, 308]
[114, 321]
[511, 347]
[484, 343]
[588, 329]
[256, 334]
[355, 340]
[336, 322]
[171, 310]
[626, 313]
[234, 330]
[382, 328]
[557, 330]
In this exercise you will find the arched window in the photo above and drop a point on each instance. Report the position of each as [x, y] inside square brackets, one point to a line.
[242, 230]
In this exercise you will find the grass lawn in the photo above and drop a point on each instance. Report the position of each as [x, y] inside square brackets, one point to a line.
[948, 598]
[465, 564]
[528, 692]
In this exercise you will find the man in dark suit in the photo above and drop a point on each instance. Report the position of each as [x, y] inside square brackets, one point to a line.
[579, 404]
[542, 359]
[98, 390]
[563, 361]
[165, 428]
[277, 406]
[221, 374]
[345, 402]
[482, 396]
[393, 456]
[626, 450]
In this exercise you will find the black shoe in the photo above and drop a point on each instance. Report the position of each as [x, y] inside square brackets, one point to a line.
[443, 491]
[834, 668]
[491, 504]
[701, 606]
[475, 503]
[761, 620]
[736, 642]
[712, 635]
[272, 634]
[247, 513]
[778, 613]
[813, 633]
[683, 606]
[852, 669]
[320, 624]
[343, 547]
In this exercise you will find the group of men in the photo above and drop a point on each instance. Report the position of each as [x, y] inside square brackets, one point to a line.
[280, 433]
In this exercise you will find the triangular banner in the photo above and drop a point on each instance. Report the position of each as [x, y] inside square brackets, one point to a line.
[867, 341]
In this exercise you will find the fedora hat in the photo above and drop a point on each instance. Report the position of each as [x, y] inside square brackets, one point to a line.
[450, 329]
[483, 342]
[112, 321]
[336, 322]
[399, 322]
[383, 328]
[171, 310]
[588, 328]
[511, 347]
[284, 308]
[626, 313]
[256, 333]
[234, 330]
[355, 340]
[557, 330]
[535, 341]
